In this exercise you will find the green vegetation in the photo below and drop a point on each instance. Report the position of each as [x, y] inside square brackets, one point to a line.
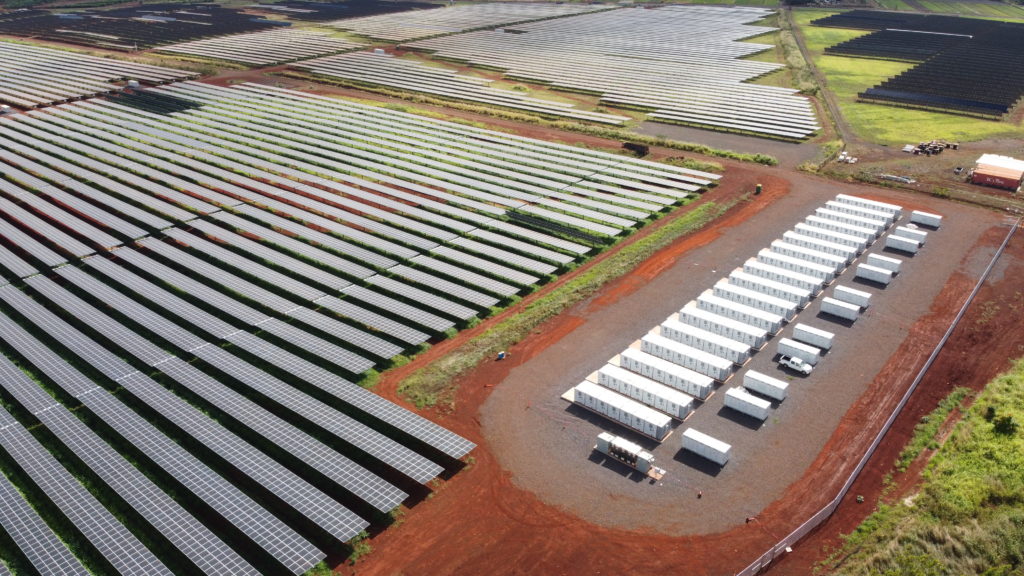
[894, 5]
[436, 384]
[695, 164]
[360, 547]
[968, 517]
[928, 428]
[996, 10]
[884, 124]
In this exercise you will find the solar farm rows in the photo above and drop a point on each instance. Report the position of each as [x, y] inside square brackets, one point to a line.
[265, 48]
[206, 270]
[322, 11]
[386, 70]
[683, 68]
[32, 76]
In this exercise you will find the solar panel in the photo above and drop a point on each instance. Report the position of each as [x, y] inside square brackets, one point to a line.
[19, 339]
[29, 244]
[422, 297]
[472, 278]
[505, 256]
[400, 309]
[79, 226]
[519, 245]
[376, 321]
[485, 265]
[450, 289]
[14, 264]
[303, 340]
[373, 344]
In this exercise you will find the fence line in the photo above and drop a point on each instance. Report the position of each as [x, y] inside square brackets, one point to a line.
[820, 516]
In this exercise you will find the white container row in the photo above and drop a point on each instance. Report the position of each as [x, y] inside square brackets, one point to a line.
[908, 245]
[893, 209]
[766, 321]
[926, 219]
[813, 255]
[732, 350]
[793, 294]
[742, 401]
[805, 352]
[853, 241]
[874, 274]
[625, 411]
[706, 446]
[668, 373]
[755, 267]
[877, 226]
[891, 264]
[687, 356]
[823, 274]
[723, 326]
[839, 308]
[847, 253]
[868, 234]
[852, 296]
[755, 299]
[845, 208]
[912, 233]
[624, 451]
[646, 391]
[814, 336]
[765, 385]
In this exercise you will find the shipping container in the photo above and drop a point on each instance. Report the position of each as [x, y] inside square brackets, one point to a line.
[908, 245]
[765, 385]
[874, 274]
[893, 209]
[687, 356]
[839, 308]
[877, 226]
[794, 294]
[814, 336]
[668, 373]
[723, 326]
[868, 234]
[766, 321]
[732, 350]
[834, 263]
[807, 282]
[847, 253]
[706, 446]
[625, 411]
[920, 235]
[891, 264]
[805, 352]
[926, 219]
[629, 453]
[858, 243]
[646, 391]
[824, 274]
[744, 402]
[868, 213]
[852, 295]
[755, 299]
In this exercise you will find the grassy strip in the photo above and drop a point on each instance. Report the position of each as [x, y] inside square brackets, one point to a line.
[436, 383]
[968, 517]
[928, 428]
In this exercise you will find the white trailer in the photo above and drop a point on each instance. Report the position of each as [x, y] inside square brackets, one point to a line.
[805, 352]
[835, 263]
[845, 208]
[742, 401]
[874, 274]
[840, 309]
[891, 264]
[868, 234]
[824, 274]
[646, 391]
[912, 233]
[793, 294]
[732, 350]
[814, 336]
[766, 321]
[807, 282]
[629, 453]
[893, 209]
[926, 219]
[755, 299]
[856, 242]
[848, 253]
[687, 356]
[765, 385]
[668, 373]
[625, 411]
[878, 226]
[908, 245]
[706, 446]
[852, 295]
[723, 326]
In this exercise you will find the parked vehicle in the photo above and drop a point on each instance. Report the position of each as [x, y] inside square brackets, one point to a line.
[795, 364]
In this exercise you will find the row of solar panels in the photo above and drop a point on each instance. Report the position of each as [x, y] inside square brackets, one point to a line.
[265, 48]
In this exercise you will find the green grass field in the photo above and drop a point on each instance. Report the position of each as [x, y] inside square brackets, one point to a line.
[878, 123]
[972, 9]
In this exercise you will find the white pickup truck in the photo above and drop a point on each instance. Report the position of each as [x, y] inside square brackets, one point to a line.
[794, 363]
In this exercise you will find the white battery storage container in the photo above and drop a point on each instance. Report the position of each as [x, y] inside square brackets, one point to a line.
[858, 243]
[824, 274]
[742, 401]
[893, 209]
[852, 295]
[706, 446]
[793, 294]
[835, 263]
[839, 308]
[625, 411]
[848, 253]
[805, 352]
[902, 244]
[920, 235]
[765, 385]
[767, 321]
[891, 264]
[687, 356]
[755, 267]
[629, 453]
[814, 336]
[755, 299]
[646, 391]
[926, 219]
[868, 234]
[886, 217]
[723, 326]
[732, 350]
[668, 373]
[878, 226]
[874, 274]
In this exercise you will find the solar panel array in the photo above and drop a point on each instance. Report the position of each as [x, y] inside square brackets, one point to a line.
[685, 67]
[266, 48]
[32, 76]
